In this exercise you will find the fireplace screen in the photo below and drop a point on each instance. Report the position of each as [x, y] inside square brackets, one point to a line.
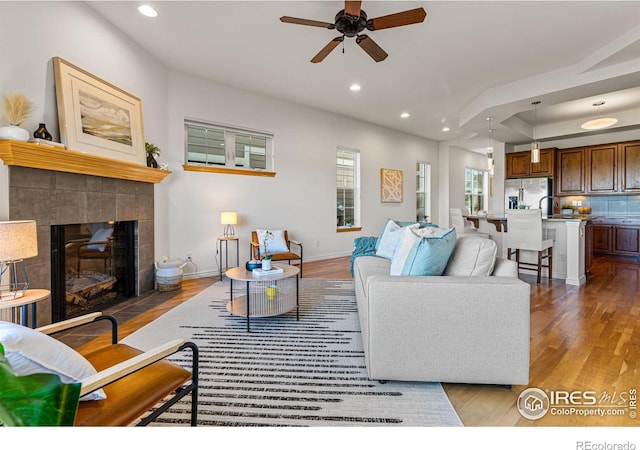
[92, 266]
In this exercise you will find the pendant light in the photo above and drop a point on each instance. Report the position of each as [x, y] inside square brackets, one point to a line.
[600, 122]
[490, 161]
[535, 145]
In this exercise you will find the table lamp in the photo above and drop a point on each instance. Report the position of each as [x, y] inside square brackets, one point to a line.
[18, 241]
[229, 219]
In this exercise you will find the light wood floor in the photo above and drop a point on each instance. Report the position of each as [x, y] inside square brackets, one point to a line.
[582, 338]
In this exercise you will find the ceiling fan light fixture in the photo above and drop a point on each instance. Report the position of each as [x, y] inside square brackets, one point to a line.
[600, 122]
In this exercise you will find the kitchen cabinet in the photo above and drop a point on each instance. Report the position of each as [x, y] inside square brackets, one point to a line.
[629, 161]
[616, 237]
[601, 169]
[519, 164]
[607, 169]
[602, 238]
[570, 174]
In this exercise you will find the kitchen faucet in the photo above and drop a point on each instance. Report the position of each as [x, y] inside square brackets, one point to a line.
[555, 202]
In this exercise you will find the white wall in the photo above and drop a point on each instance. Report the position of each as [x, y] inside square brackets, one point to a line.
[302, 195]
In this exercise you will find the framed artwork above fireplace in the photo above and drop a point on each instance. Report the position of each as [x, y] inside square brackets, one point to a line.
[97, 117]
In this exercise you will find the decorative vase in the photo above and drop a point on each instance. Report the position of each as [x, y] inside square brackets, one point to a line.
[151, 161]
[42, 133]
[14, 133]
[266, 264]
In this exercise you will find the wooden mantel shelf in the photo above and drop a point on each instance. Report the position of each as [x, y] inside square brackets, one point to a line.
[37, 156]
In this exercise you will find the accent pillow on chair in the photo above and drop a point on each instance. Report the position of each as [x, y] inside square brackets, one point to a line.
[423, 252]
[277, 244]
[29, 351]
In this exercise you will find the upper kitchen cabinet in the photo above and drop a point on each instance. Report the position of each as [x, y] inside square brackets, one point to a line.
[519, 164]
[601, 169]
[629, 157]
[606, 169]
[570, 171]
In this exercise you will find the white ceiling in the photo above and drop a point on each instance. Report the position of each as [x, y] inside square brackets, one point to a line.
[467, 61]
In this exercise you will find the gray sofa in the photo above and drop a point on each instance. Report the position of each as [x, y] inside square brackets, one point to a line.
[458, 329]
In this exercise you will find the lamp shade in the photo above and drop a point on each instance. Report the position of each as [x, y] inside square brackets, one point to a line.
[228, 218]
[18, 240]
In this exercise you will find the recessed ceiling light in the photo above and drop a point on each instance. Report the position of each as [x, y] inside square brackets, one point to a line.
[445, 129]
[147, 10]
[404, 115]
[355, 87]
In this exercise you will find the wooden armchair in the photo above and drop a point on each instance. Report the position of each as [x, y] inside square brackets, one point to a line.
[280, 256]
[134, 382]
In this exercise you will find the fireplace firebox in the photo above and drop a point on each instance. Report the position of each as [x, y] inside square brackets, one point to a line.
[92, 267]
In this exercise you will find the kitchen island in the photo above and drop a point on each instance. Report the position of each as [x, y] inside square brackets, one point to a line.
[569, 245]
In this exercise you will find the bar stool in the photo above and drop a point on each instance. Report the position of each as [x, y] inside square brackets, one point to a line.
[525, 233]
[464, 227]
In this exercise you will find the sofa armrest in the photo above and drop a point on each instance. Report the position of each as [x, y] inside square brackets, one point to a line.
[505, 268]
[448, 329]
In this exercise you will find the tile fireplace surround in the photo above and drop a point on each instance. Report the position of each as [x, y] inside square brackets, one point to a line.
[54, 197]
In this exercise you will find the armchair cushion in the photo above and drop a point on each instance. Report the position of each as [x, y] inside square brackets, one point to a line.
[29, 352]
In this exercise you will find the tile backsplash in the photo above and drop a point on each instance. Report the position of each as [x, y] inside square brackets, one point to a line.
[611, 205]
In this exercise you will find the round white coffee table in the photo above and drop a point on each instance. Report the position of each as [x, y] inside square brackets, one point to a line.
[266, 295]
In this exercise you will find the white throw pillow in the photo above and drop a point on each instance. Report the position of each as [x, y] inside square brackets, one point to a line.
[472, 257]
[391, 234]
[276, 244]
[29, 351]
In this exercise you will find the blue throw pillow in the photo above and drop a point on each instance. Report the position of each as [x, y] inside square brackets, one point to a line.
[423, 252]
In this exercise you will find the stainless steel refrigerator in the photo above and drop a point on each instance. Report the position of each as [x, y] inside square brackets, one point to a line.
[528, 192]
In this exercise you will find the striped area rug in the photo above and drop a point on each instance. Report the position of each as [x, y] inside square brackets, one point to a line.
[289, 373]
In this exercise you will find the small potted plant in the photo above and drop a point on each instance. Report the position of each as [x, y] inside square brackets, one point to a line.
[567, 210]
[16, 109]
[266, 259]
[152, 152]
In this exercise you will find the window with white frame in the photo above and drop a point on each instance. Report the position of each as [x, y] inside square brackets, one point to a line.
[423, 192]
[347, 187]
[214, 145]
[476, 189]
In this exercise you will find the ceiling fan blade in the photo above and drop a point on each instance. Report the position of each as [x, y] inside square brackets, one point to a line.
[322, 54]
[374, 50]
[352, 8]
[397, 20]
[312, 23]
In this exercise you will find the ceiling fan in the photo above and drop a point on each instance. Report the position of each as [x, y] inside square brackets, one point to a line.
[351, 20]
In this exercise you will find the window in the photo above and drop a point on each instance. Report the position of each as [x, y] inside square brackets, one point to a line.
[475, 189]
[348, 187]
[423, 192]
[207, 144]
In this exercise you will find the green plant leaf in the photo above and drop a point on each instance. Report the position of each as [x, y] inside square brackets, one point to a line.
[35, 400]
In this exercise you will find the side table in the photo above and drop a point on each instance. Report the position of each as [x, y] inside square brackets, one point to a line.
[226, 240]
[17, 309]
[259, 300]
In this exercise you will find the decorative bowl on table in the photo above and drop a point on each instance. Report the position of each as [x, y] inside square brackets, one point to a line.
[253, 264]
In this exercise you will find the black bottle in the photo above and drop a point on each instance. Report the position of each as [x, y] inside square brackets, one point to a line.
[42, 133]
